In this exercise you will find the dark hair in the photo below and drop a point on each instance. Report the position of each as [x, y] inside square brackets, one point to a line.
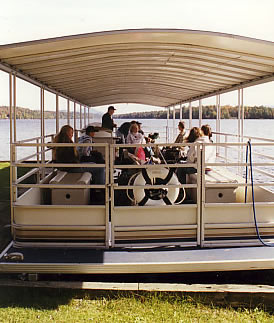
[181, 124]
[206, 129]
[124, 128]
[194, 134]
[111, 108]
[90, 129]
[65, 154]
[62, 135]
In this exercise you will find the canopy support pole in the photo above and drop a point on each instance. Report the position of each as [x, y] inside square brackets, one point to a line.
[85, 117]
[241, 123]
[11, 105]
[74, 121]
[57, 113]
[88, 115]
[14, 108]
[200, 113]
[181, 112]
[80, 116]
[68, 112]
[13, 170]
[218, 115]
[242, 114]
[167, 119]
[42, 110]
[173, 131]
[190, 115]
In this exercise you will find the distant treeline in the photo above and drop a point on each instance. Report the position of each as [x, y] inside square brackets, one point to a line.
[25, 113]
[209, 112]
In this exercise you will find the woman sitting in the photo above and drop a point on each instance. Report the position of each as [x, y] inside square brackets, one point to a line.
[210, 150]
[70, 155]
[66, 154]
[206, 129]
[194, 136]
[134, 137]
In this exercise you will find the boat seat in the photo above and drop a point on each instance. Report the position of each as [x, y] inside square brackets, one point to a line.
[219, 194]
[70, 196]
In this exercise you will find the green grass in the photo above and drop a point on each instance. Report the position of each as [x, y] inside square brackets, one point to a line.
[34, 305]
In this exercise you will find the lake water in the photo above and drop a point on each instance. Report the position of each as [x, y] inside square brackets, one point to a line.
[31, 128]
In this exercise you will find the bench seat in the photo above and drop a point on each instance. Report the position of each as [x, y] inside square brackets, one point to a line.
[219, 175]
[70, 196]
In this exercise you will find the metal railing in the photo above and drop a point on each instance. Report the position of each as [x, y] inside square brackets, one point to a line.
[111, 186]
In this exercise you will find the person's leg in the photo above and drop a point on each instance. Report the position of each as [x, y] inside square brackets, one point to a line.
[98, 175]
[182, 171]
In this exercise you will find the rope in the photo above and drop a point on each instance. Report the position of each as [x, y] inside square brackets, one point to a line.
[253, 195]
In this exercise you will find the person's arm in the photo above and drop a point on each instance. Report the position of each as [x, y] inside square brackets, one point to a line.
[191, 154]
[86, 150]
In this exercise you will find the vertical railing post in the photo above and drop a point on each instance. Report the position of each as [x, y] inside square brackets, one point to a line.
[38, 160]
[200, 194]
[109, 163]
[181, 112]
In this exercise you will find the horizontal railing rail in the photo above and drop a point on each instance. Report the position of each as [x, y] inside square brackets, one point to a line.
[113, 165]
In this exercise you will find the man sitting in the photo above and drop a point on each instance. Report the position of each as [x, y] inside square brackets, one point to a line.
[87, 154]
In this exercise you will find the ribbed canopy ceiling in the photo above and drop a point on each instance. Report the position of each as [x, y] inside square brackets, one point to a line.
[153, 67]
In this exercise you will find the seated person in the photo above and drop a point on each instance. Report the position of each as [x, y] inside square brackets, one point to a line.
[194, 136]
[210, 150]
[135, 137]
[65, 154]
[173, 154]
[122, 132]
[70, 155]
[87, 154]
[182, 134]
[206, 129]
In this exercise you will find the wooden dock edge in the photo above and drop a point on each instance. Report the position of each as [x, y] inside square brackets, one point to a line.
[149, 287]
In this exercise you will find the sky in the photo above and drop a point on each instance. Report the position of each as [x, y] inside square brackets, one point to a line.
[23, 20]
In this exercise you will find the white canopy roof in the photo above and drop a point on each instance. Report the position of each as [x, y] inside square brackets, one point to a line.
[159, 67]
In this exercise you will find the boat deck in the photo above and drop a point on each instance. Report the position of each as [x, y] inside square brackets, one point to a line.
[142, 260]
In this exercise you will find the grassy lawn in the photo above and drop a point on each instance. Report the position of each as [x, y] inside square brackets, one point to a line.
[34, 305]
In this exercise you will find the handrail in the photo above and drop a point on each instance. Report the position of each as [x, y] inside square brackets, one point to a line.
[30, 139]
